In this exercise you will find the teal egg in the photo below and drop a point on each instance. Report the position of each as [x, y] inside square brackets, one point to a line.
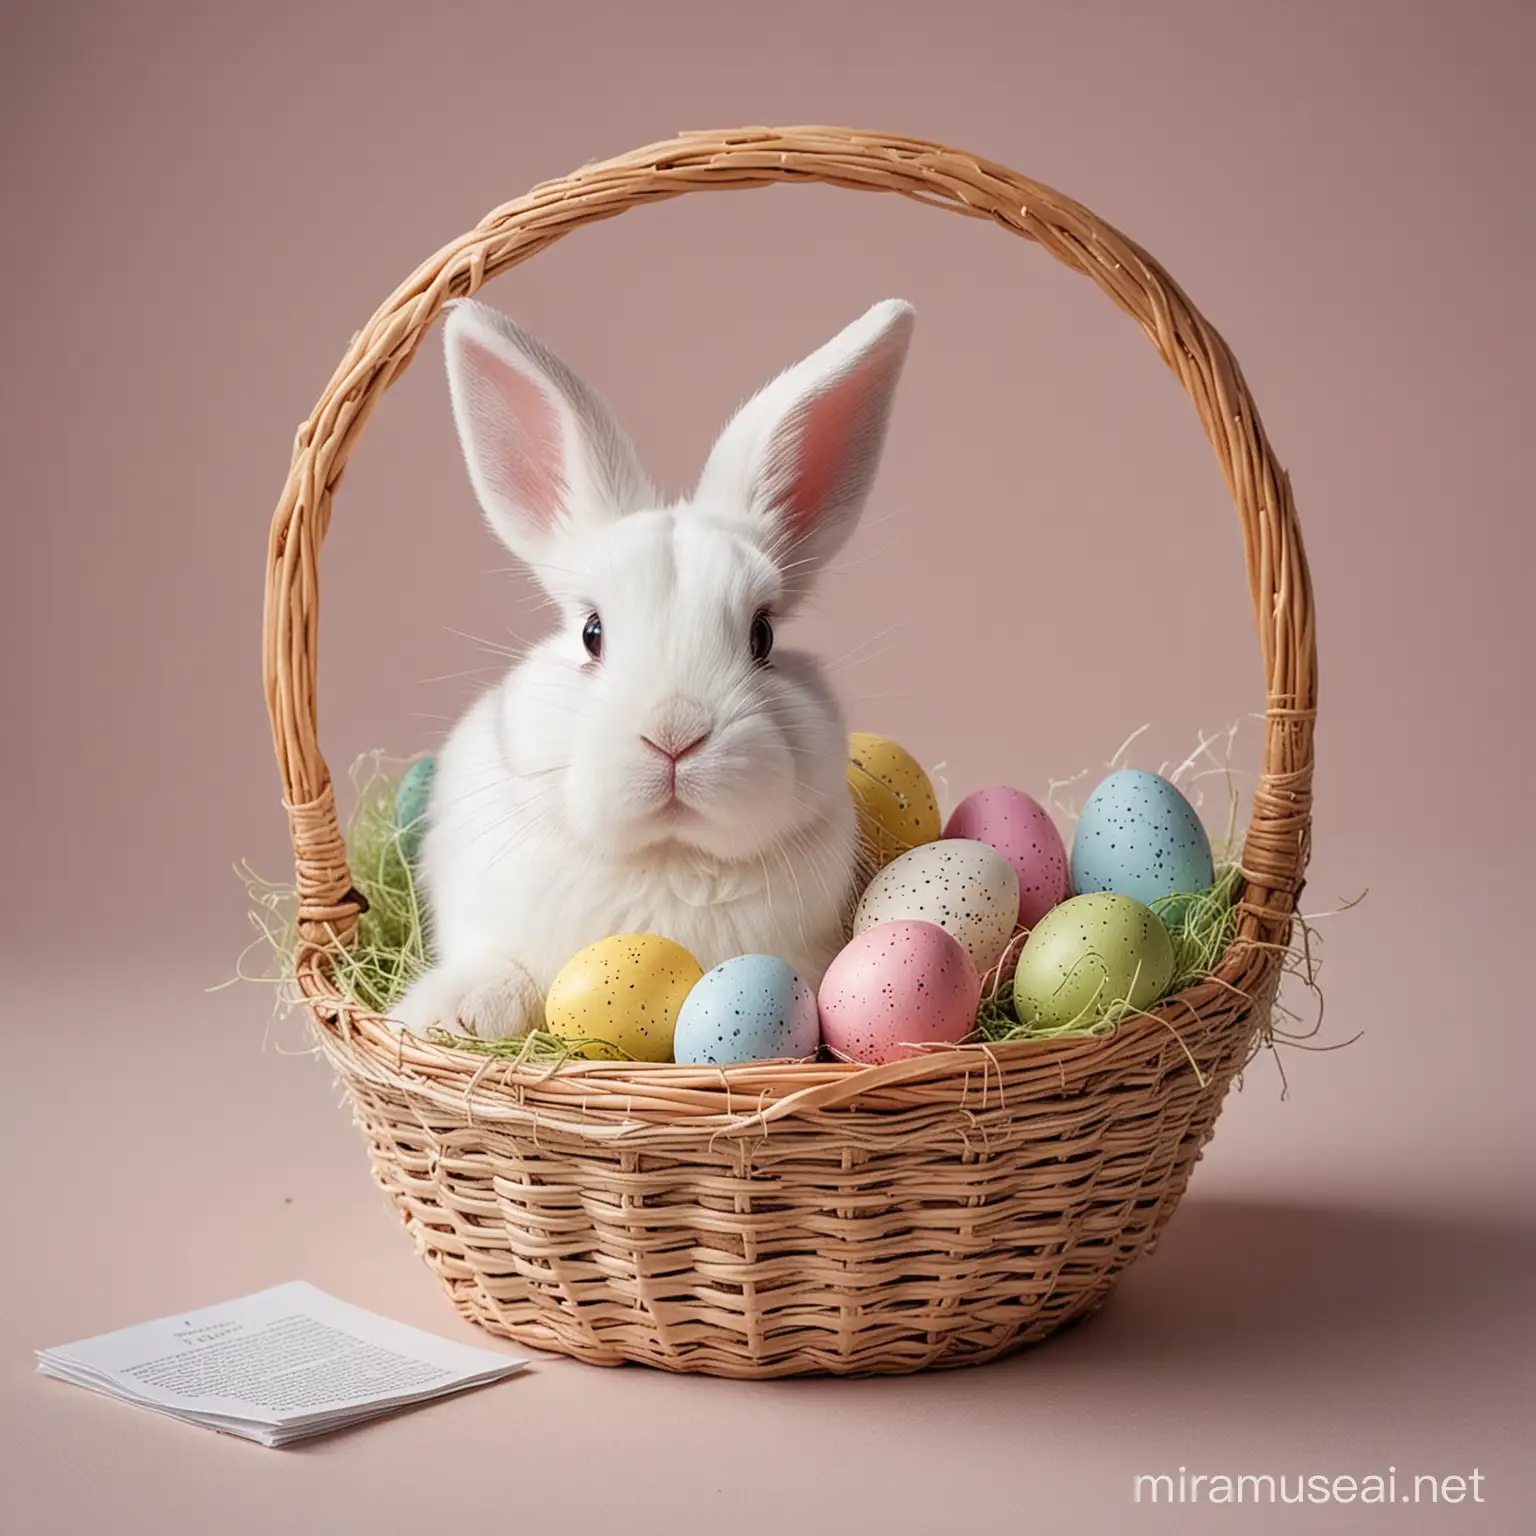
[1139, 836]
[411, 803]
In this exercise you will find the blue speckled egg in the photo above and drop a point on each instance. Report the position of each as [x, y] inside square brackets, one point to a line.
[411, 803]
[750, 1008]
[1139, 836]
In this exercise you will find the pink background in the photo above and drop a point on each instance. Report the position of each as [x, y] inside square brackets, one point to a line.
[203, 202]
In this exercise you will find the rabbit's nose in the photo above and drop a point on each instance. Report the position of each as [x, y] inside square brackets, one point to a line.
[675, 753]
[678, 728]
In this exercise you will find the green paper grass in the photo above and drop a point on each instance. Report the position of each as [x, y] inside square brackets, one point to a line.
[538, 1048]
[389, 951]
[1201, 926]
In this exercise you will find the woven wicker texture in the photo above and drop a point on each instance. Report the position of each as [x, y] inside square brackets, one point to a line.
[769, 1220]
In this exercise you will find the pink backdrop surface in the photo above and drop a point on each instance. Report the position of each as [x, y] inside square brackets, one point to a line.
[203, 202]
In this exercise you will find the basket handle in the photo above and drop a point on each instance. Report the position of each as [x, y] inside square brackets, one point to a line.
[1279, 834]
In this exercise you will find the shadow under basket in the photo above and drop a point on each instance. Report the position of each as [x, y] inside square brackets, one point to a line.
[774, 1220]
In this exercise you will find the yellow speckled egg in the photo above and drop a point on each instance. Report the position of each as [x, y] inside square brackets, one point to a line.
[622, 996]
[896, 805]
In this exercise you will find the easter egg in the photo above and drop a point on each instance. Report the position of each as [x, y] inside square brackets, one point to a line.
[411, 796]
[895, 987]
[622, 995]
[1138, 835]
[750, 1008]
[1087, 954]
[1021, 829]
[967, 888]
[894, 799]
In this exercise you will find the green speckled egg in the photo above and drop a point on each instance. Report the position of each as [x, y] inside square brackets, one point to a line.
[411, 803]
[1087, 954]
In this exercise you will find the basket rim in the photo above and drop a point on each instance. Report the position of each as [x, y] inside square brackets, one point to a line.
[1278, 838]
[615, 1098]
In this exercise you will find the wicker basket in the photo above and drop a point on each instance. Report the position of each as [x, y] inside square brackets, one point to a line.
[773, 1220]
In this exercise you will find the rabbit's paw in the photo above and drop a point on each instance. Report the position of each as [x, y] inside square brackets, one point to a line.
[490, 1000]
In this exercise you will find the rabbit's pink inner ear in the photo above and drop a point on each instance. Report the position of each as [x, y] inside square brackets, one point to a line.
[518, 436]
[837, 431]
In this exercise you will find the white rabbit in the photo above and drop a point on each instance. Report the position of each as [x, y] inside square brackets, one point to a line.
[657, 764]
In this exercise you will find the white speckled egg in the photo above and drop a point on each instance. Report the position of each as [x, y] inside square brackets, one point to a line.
[750, 1008]
[895, 988]
[1139, 836]
[967, 888]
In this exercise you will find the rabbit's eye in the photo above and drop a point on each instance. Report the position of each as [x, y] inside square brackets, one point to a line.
[762, 638]
[592, 636]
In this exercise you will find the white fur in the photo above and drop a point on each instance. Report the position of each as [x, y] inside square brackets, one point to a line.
[552, 821]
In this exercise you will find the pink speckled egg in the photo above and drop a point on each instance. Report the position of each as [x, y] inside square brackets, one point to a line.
[894, 987]
[1021, 829]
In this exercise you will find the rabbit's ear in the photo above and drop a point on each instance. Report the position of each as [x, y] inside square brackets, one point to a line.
[543, 450]
[800, 456]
